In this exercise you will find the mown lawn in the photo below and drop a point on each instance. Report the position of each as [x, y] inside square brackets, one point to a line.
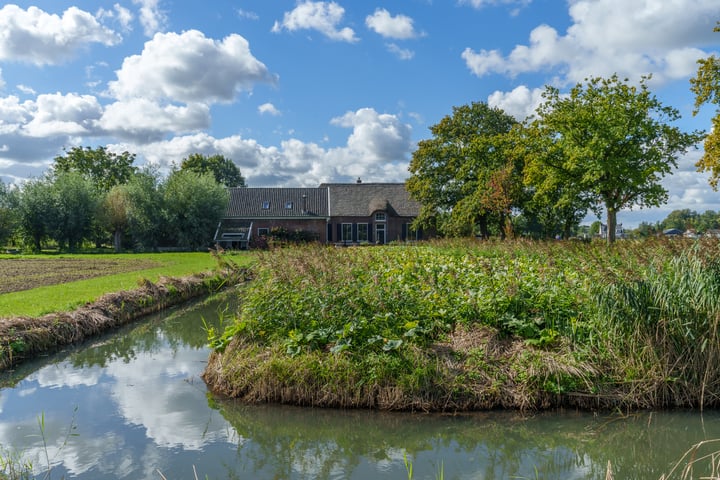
[34, 285]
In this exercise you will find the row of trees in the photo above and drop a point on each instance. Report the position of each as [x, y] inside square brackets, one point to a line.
[93, 195]
[683, 219]
[603, 147]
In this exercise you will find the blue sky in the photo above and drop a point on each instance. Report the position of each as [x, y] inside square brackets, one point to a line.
[303, 92]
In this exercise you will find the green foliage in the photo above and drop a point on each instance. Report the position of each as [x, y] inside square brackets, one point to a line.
[223, 169]
[608, 141]
[384, 300]
[71, 207]
[103, 168]
[8, 213]
[706, 87]
[464, 170]
[194, 203]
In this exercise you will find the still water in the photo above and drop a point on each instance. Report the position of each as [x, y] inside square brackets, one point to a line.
[132, 405]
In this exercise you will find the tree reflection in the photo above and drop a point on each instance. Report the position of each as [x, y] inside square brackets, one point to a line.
[315, 443]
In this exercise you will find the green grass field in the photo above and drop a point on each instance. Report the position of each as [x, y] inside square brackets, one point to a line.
[42, 284]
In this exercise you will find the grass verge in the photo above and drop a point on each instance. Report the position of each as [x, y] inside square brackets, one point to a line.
[67, 296]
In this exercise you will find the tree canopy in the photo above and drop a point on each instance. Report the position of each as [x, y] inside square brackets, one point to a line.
[461, 176]
[706, 87]
[608, 140]
[223, 169]
[103, 168]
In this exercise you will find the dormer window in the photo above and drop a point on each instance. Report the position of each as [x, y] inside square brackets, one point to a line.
[266, 205]
[288, 205]
[380, 217]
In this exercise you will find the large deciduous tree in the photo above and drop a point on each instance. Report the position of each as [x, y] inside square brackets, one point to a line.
[706, 87]
[609, 141]
[223, 169]
[103, 168]
[462, 176]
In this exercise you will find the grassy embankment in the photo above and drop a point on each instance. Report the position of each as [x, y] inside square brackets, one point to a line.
[462, 326]
[50, 301]
[34, 285]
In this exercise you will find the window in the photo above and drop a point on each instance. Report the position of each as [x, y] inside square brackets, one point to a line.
[380, 217]
[263, 232]
[362, 232]
[380, 233]
[347, 232]
[266, 205]
[412, 234]
[288, 205]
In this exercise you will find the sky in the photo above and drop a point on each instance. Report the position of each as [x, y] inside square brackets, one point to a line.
[298, 93]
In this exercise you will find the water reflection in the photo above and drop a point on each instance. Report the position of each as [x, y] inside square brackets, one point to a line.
[141, 408]
[308, 443]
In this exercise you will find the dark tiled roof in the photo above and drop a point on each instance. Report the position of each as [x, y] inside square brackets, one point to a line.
[362, 199]
[246, 202]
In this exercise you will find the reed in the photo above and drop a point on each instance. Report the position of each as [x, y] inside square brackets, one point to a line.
[473, 325]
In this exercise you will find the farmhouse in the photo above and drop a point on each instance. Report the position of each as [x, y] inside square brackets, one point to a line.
[338, 213]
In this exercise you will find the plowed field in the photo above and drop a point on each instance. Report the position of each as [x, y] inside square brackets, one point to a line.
[18, 274]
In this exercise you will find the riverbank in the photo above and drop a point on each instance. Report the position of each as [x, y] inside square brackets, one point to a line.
[25, 337]
[478, 325]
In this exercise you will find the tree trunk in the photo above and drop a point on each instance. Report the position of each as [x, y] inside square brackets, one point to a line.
[611, 224]
[117, 240]
[483, 223]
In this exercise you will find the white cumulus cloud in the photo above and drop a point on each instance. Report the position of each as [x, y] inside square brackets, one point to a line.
[35, 36]
[662, 38]
[398, 26]
[324, 17]
[190, 67]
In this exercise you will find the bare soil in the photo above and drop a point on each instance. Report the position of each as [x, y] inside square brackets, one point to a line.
[19, 274]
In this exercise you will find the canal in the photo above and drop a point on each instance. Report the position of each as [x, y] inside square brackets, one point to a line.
[132, 405]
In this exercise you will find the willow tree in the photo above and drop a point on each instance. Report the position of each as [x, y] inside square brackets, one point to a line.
[612, 142]
[706, 87]
[461, 176]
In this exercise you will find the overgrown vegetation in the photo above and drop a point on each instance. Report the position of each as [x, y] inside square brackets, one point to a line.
[468, 325]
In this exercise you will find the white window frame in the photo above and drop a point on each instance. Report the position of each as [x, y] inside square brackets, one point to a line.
[380, 227]
[346, 238]
[380, 217]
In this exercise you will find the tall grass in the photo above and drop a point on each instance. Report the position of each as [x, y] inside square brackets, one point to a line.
[664, 325]
[522, 324]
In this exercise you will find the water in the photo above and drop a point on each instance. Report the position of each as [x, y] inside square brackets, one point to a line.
[132, 405]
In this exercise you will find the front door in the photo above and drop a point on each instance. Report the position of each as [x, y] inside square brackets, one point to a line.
[380, 233]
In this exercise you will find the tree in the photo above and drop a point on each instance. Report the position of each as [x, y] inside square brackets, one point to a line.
[223, 169]
[104, 169]
[706, 87]
[72, 205]
[684, 219]
[145, 213]
[461, 176]
[194, 204]
[612, 142]
[35, 212]
[8, 210]
[114, 213]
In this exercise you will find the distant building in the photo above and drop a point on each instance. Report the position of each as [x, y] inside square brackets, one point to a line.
[338, 213]
[619, 231]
